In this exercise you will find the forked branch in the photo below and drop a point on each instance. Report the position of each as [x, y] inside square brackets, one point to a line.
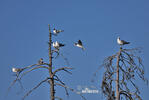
[29, 92]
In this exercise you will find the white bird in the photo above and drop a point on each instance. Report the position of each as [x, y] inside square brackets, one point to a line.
[122, 42]
[79, 44]
[16, 70]
[57, 45]
[40, 61]
[55, 31]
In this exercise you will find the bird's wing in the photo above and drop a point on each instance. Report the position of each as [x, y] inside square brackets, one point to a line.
[124, 42]
[79, 42]
[60, 44]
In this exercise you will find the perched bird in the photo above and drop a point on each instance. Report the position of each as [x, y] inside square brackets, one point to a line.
[40, 61]
[57, 31]
[122, 42]
[79, 44]
[57, 45]
[16, 70]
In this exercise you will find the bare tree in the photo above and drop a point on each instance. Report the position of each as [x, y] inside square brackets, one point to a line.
[53, 79]
[121, 71]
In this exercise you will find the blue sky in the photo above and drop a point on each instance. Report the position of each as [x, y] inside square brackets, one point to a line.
[24, 37]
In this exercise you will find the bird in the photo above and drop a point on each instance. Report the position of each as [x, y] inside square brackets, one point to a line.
[16, 70]
[79, 44]
[122, 42]
[40, 61]
[57, 45]
[56, 32]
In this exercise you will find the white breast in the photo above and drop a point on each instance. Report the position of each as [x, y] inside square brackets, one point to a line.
[119, 41]
[54, 31]
[80, 46]
[56, 44]
[14, 70]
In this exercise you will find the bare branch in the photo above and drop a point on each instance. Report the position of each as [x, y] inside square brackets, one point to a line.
[30, 66]
[14, 81]
[58, 98]
[58, 53]
[32, 70]
[34, 88]
[66, 60]
[130, 65]
[128, 95]
[70, 90]
[63, 68]
[59, 80]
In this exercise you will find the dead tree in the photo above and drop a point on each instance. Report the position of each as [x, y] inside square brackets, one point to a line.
[121, 71]
[53, 79]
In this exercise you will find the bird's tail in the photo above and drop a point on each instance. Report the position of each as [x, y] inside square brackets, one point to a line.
[127, 43]
[61, 45]
[61, 30]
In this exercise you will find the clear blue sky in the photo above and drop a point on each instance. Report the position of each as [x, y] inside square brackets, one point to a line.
[24, 37]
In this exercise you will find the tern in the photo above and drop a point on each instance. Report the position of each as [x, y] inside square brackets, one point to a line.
[79, 44]
[57, 45]
[122, 42]
[40, 61]
[56, 32]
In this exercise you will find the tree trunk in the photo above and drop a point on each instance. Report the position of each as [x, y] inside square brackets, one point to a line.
[117, 76]
[52, 91]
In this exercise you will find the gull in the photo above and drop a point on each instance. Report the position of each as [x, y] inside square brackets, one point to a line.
[79, 44]
[122, 42]
[56, 32]
[57, 45]
[40, 61]
[16, 70]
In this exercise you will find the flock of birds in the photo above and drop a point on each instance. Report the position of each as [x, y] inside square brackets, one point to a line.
[57, 45]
